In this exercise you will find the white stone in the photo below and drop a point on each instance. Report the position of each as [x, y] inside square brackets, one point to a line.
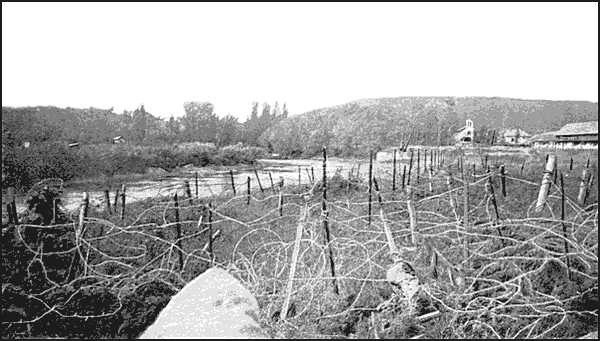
[213, 305]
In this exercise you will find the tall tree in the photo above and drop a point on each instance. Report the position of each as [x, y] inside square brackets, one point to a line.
[199, 122]
[284, 113]
[228, 131]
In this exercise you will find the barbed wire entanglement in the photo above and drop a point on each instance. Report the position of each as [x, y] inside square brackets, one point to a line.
[486, 259]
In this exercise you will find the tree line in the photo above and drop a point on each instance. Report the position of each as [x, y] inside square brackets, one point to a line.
[200, 123]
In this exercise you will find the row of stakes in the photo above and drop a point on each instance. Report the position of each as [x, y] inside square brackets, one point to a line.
[436, 159]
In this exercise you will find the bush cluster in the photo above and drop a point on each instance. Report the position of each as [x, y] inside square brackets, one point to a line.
[24, 167]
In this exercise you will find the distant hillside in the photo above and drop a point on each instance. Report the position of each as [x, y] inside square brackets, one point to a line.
[356, 127]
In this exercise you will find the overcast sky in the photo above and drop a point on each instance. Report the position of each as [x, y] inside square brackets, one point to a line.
[308, 55]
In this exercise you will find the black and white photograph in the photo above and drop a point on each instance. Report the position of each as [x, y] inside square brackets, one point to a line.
[290, 170]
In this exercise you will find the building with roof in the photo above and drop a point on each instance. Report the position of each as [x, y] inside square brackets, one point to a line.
[578, 133]
[573, 135]
[466, 133]
[515, 136]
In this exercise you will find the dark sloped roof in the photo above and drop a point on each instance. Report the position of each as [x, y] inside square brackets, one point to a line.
[579, 128]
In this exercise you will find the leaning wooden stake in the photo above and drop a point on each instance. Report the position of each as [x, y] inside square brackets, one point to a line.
[412, 214]
[294, 262]
[232, 182]
[581, 197]
[178, 229]
[409, 168]
[546, 181]
[272, 184]
[564, 226]
[258, 180]
[325, 214]
[83, 211]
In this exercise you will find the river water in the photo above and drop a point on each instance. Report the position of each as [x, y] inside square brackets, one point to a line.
[213, 182]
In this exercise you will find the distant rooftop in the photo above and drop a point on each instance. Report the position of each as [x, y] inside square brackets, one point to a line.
[579, 128]
[513, 132]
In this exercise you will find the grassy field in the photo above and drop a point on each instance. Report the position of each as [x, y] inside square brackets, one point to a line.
[112, 279]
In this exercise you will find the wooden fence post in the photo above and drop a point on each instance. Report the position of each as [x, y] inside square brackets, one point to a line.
[545, 186]
[370, 183]
[449, 189]
[9, 208]
[107, 199]
[188, 191]
[522, 166]
[503, 180]
[418, 165]
[232, 182]
[54, 210]
[196, 183]
[564, 226]
[571, 164]
[409, 168]
[325, 214]
[210, 233]
[178, 229]
[116, 199]
[299, 176]
[312, 171]
[248, 193]
[403, 176]
[258, 180]
[281, 196]
[122, 202]
[490, 190]
[425, 159]
[394, 173]
[13, 206]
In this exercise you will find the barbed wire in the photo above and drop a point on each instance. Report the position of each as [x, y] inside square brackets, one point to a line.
[486, 274]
